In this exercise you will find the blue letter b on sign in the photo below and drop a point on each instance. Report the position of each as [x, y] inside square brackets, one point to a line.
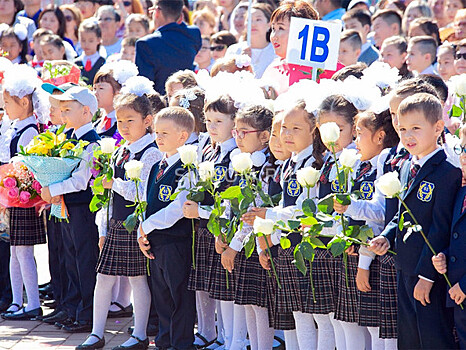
[322, 43]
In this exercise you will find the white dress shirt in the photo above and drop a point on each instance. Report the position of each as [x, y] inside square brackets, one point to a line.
[9, 134]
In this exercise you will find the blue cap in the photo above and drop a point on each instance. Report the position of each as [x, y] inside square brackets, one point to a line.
[50, 88]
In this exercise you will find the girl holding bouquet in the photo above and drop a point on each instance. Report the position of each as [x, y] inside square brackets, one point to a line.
[120, 255]
[20, 93]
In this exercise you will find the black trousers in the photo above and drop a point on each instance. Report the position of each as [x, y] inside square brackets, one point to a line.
[460, 323]
[175, 304]
[80, 242]
[5, 285]
[423, 327]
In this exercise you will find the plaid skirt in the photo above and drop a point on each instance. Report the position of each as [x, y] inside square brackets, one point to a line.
[120, 255]
[204, 249]
[369, 302]
[250, 281]
[348, 293]
[296, 293]
[388, 297]
[26, 228]
[221, 282]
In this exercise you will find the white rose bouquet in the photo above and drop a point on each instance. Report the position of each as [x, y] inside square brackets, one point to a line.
[133, 170]
[265, 227]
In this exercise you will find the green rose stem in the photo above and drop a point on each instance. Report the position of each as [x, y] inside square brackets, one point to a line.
[139, 210]
[192, 220]
[310, 262]
[423, 236]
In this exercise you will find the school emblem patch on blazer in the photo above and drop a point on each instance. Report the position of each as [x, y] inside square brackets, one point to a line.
[293, 189]
[242, 183]
[335, 187]
[220, 173]
[426, 189]
[367, 190]
[165, 193]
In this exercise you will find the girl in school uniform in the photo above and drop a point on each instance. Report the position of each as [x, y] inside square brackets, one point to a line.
[120, 255]
[21, 94]
[208, 278]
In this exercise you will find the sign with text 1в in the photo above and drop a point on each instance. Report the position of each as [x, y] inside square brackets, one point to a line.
[313, 43]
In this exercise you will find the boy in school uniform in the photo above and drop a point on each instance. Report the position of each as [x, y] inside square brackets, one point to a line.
[453, 260]
[422, 53]
[424, 321]
[350, 47]
[165, 236]
[80, 235]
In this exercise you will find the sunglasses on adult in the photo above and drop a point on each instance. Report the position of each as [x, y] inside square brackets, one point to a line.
[459, 56]
[218, 48]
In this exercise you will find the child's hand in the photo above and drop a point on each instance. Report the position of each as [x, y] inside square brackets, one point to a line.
[220, 246]
[457, 294]
[107, 184]
[145, 246]
[379, 245]
[338, 207]
[101, 242]
[351, 250]
[56, 200]
[250, 216]
[264, 260]
[440, 263]
[228, 259]
[262, 243]
[362, 280]
[45, 195]
[191, 210]
[422, 291]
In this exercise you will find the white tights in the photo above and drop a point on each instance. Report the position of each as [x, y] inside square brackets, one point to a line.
[121, 293]
[291, 340]
[305, 330]
[325, 333]
[340, 341]
[260, 334]
[240, 330]
[205, 316]
[354, 336]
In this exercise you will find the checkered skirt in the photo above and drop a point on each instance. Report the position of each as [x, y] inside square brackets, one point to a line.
[26, 228]
[120, 255]
[369, 302]
[388, 296]
[204, 248]
[348, 294]
[219, 289]
[250, 281]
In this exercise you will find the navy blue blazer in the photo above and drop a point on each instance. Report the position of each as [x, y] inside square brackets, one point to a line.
[456, 252]
[169, 49]
[431, 199]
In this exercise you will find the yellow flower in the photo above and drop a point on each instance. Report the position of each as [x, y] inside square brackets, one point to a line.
[61, 138]
[68, 146]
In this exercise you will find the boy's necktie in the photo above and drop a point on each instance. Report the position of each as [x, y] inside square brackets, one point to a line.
[277, 174]
[364, 168]
[88, 66]
[413, 170]
[124, 157]
[325, 174]
[162, 167]
[289, 170]
[399, 158]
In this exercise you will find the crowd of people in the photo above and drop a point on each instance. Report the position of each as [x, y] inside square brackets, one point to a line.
[157, 75]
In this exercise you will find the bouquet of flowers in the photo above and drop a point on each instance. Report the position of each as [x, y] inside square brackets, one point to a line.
[60, 72]
[52, 158]
[18, 187]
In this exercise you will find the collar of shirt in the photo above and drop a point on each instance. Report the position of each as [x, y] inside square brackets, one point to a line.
[429, 70]
[193, 138]
[335, 14]
[424, 159]
[374, 161]
[305, 153]
[399, 147]
[83, 130]
[93, 58]
[226, 147]
[171, 160]
[16, 60]
[19, 124]
[139, 145]
[365, 46]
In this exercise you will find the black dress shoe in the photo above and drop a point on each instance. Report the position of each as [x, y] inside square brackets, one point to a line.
[60, 316]
[10, 312]
[24, 315]
[151, 330]
[52, 304]
[141, 344]
[68, 322]
[123, 312]
[53, 313]
[98, 345]
[78, 327]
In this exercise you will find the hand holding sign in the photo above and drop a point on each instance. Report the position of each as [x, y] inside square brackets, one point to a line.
[313, 43]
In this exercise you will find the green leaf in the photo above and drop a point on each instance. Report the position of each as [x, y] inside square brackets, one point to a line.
[325, 219]
[343, 199]
[130, 223]
[196, 196]
[285, 243]
[299, 261]
[337, 246]
[294, 224]
[266, 199]
[174, 195]
[306, 249]
[281, 223]
[213, 225]
[326, 204]
[231, 192]
[401, 221]
[244, 204]
[365, 232]
[456, 111]
[95, 204]
[276, 199]
[342, 181]
[309, 207]
[249, 246]
[309, 221]
[247, 193]
[352, 231]
[234, 205]
[97, 187]
[317, 243]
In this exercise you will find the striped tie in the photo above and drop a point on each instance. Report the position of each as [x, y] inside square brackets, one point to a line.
[162, 166]
[413, 170]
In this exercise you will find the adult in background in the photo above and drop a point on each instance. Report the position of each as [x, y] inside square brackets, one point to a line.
[109, 22]
[31, 10]
[9, 10]
[329, 10]
[172, 47]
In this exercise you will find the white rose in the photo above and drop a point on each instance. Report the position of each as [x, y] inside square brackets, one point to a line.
[133, 169]
[348, 157]
[206, 170]
[188, 154]
[459, 84]
[242, 162]
[389, 184]
[329, 133]
[308, 176]
[107, 145]
[264, 226]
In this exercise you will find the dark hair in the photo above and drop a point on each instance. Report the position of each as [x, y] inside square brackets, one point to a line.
[129, 42]
[362, 16]
[60, 18]
[54, 40]
[222, 104]
[170, 8]
[223, 37]
[183, 118]
[353, 37]
[424, 103]
[413, 86]
[196, 106]
[294, 8]
[10, 33]
[89, 25]
[138, 18]
[267, 10]
[18, 7]
[105, 75]
[140, 104]
[256, 116]
[156, 101]
[380, 121]
[399, 41]
[428, 26]
[40, 33]
[111, 9]
[388, 16]
[77, 16]
[356, 70]
[426, 44]
[437, 82]
[339, 105]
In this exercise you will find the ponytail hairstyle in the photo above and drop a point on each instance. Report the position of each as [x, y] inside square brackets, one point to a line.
[222, 104]
[193, 100]
[19, 33]
[380, 121]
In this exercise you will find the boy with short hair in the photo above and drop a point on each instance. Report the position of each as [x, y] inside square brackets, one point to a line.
[360, 20]
[350, 47]
[393, 52]
[165, 235]
[385, 23]
[424, 321]
[80, 236]
[422, 52]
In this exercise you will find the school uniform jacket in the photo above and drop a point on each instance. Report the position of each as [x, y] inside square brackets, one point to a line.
[430, 198]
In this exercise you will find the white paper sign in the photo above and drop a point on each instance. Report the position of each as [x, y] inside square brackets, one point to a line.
[313, 43]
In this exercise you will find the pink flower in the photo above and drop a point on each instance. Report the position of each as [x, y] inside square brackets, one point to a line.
[95, 172]
[24, 197]
[36, 186]
[9, 182]
[13, 192]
